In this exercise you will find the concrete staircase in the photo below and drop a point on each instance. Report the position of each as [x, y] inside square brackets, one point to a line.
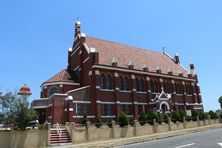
[55, 138]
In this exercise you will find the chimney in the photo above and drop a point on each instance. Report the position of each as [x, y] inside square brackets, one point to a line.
[130, 65]
[192, 70]
[114, 62]
[177, 59]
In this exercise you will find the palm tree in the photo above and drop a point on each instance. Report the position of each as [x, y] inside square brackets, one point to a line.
[220, 101]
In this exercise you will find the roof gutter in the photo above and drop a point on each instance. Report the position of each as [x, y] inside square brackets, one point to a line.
[140, 72]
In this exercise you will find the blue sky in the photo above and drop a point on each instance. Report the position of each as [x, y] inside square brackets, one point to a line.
[35, 36]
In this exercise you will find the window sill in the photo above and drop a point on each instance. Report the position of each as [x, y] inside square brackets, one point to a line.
[125, 91]
[108, 116]
[141, 92]
[107, 90]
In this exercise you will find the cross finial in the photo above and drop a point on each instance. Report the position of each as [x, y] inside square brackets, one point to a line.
[77, 19]
[163, 48]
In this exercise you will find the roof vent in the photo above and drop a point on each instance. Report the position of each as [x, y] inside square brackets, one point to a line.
[114, 62]
[145, 67]
[181, 74]
[170, 73]
[158, 70]
[130, 65]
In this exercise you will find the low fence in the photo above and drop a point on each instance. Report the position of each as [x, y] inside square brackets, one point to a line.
[91, 133]
[23, 139]
[80, 133]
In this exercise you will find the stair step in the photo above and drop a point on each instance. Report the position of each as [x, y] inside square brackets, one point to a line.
[55, 138]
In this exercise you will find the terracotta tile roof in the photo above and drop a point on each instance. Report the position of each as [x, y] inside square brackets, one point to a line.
[138, 56]
[62, 76]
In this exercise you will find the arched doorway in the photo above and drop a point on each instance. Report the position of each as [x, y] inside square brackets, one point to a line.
[164, 107]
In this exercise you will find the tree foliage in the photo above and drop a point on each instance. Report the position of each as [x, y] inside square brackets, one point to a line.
[98, 122]
[220, 101]
[15, 109]
[142, 118]
[151, 115]
[122, 119]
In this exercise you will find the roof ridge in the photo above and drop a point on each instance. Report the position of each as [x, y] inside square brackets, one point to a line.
[62, 75]
[123, 44]
[55, 75]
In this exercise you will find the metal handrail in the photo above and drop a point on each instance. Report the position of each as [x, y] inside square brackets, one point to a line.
[59, 131]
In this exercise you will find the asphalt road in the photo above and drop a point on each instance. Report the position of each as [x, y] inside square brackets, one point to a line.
[207, 139]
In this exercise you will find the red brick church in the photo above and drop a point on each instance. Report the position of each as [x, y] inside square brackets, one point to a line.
[103, 78]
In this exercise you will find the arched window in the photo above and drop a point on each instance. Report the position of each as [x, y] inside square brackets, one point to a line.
[155, 86]
[151, 85]
[121, 83]
[137, 84]
[165, 87]
[103, 81]
[170, 87]
[109, 82]
[142, 85]
[53, 90]
[176, 87]
[126, 83]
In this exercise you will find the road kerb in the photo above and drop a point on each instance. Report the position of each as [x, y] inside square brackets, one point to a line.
[139, 139]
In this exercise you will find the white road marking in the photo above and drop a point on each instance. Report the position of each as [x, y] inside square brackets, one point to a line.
[185, 145]
[220, 144]
[139, 143]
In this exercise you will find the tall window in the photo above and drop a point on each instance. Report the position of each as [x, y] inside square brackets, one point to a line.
[126, 108]
[139, 84]
[78, 108]
[106, 82]
[156, 86]
[124, 83]
[152, 86]
[121, 83]
[179, 88]
[141, 108]
[53, 90]
[167, 87]
[102, 81]
[109, 82]
[85, 109]
[106, 109]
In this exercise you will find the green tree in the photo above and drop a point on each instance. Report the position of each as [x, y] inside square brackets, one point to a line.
[194, 114]
[122, 119]
[84, 119]
[8, 107]
[182, 114]
[15, 109]
[151, 115]
[220, 101]
[109, 122]
[212, 114]
[165, 118]
[175, 117]
[201, 115]
[142, 118]
[131, 121]
[98, 122]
